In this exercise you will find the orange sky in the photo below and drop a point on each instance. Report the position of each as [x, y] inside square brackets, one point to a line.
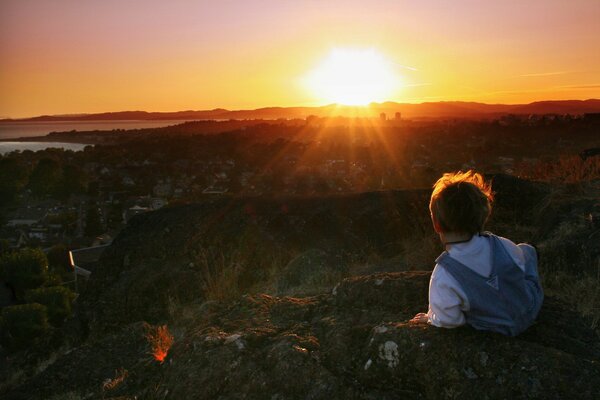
[72, 56]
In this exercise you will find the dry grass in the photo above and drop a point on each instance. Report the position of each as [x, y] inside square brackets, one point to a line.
[113, 383]
[224, 274]
[420, 252]
[583, 292]
[567, 169]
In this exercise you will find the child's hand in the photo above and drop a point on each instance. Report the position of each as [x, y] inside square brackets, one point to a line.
[420, 318]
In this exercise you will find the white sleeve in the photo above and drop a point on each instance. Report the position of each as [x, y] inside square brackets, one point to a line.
[447, 300]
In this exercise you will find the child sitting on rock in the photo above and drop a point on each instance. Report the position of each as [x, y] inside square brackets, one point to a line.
[481, 279]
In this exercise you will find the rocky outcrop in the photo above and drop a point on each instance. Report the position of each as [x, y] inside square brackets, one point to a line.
[353, 343]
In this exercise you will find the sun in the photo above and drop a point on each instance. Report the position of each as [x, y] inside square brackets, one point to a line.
[353, 77]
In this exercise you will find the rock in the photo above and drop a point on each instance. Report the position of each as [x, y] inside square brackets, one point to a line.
[351, 341]
[356, 344]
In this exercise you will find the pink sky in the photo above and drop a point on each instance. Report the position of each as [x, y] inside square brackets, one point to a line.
[66, 56]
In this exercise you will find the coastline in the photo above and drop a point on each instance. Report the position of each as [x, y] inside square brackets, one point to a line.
[84, 139]
[7, 147]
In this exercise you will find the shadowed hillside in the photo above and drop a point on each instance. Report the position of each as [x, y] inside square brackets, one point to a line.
[296, 298]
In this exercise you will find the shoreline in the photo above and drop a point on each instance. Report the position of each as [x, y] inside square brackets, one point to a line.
[48, 139]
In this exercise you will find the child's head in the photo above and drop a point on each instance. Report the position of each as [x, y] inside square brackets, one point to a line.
[461, 202]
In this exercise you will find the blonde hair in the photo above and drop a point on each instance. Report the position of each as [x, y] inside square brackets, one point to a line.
[461, 202]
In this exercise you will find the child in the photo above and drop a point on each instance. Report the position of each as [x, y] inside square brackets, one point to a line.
[481, 279]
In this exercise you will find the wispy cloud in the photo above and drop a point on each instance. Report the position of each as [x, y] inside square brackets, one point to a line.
[547, 73]
[418, 84]
[544, 89]
[405, 66]
[582, 86]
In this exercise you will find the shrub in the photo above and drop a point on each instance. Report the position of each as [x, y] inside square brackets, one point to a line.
[24, 269]
[58, 258]
[57, 300]
[160, 340]
[23, 325]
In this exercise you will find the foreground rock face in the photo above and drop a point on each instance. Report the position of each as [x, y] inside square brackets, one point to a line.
[351, 344]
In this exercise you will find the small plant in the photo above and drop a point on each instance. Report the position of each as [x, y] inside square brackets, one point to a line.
[113, 383]
[160, 340]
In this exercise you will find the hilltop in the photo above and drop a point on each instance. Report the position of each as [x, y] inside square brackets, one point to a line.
[295, 298]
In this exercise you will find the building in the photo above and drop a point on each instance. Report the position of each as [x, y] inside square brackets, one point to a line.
[85, 261]
[27, 217]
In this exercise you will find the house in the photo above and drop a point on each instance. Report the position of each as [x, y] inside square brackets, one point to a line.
[27, 216]
[162, 189]
[157, 202]
[38, 232]
[215, 189]
[103, 239]
[85, 261]
[128, 181]
[245, 178]
[135, 210]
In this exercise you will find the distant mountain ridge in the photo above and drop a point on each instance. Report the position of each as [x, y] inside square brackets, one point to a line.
[422, 110]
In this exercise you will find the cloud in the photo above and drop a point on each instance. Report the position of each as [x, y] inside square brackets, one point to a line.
[582, 86]
[418, 84]
[405, 66]
[547, 73]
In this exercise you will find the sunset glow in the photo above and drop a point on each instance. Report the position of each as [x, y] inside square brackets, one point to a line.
[67, 56]
[353, 77]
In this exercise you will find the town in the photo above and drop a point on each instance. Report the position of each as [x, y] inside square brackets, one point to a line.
[82, 199]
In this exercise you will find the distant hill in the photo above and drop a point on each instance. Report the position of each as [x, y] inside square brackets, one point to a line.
[443, 109]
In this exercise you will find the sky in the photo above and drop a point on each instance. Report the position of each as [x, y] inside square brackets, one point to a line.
[73, 56]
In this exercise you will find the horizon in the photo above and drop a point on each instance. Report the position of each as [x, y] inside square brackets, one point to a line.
[84, 58]
[336, 105]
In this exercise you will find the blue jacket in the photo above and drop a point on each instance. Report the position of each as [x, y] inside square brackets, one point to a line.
[509, 300]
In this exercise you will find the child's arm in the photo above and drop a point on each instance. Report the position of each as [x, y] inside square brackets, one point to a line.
[447, 300]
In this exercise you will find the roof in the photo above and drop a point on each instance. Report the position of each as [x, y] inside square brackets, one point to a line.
[26, 216]
[86, 256]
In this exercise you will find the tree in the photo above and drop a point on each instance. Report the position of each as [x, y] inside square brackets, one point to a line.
[71, 182]
[58, 258]
[4, 246]
[24, 269]
[45, 177]
[115, 216]
[93, 225]
[57, 299]
[13, 177]
[22, 325]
